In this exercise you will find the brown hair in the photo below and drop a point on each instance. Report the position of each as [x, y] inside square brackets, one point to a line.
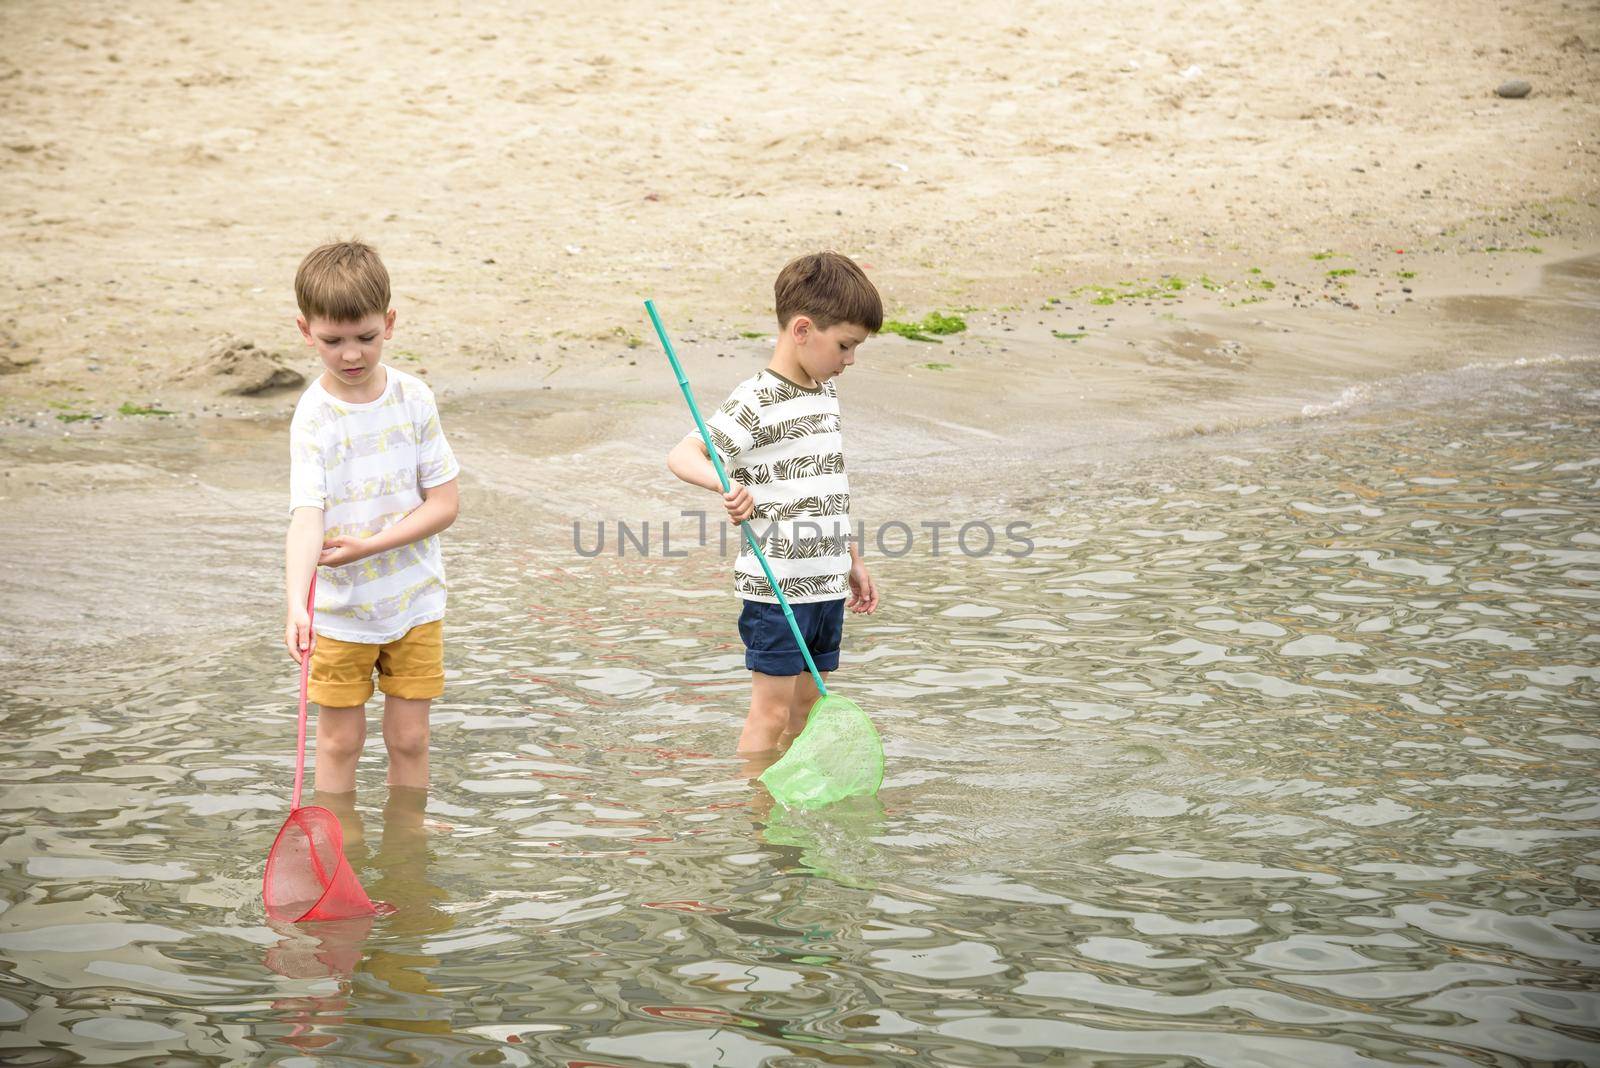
[342, 282]
[827, 288]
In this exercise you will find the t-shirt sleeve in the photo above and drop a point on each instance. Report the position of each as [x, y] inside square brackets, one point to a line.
[436, 462]
[733, 427]
[308, 479]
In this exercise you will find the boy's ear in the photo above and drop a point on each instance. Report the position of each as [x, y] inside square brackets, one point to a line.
[305, 329]
[388, 324]
[800, 328]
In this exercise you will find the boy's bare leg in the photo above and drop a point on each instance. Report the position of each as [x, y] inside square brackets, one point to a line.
[343, 806]
[771, 697]
[405, 735]
[405, 809]
[805, 695]
[756, 763]
[341, 732]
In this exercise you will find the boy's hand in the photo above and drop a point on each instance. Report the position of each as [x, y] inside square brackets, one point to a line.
[297, 634]
[863, 593]
[342, 550]
[740, 505]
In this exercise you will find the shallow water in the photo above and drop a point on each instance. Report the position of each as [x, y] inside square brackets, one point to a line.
[1277, 749]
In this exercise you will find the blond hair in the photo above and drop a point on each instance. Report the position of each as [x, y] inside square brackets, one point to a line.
[827, 288]
[342, 282]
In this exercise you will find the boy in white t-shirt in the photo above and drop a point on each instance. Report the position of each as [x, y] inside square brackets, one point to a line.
[372, 483]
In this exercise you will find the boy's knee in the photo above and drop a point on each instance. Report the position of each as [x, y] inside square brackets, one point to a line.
[775, 713]
[341, 736]
[406, 739]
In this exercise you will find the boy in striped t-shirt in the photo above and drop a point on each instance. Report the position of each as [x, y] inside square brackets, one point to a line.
[372, 483]
[778, 438]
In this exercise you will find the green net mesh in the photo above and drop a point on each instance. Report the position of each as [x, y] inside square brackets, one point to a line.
[838, 755]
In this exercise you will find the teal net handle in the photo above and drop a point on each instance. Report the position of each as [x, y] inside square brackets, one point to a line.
[722, 476]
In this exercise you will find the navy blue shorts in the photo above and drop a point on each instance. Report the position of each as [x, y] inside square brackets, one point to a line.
[769, 645]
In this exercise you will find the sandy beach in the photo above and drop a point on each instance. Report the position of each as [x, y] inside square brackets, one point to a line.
[531, 176]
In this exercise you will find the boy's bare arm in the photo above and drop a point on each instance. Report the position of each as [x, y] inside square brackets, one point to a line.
[863, 590]
[439, 507]
[690, 462]
[301, 546]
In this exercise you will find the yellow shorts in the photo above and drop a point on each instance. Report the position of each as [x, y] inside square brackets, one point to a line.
[411, 666]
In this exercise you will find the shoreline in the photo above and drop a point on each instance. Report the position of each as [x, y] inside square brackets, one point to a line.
[108, 526]
[1110, 352]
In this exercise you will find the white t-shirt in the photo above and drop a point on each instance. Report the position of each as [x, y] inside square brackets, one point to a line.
[782, 442]
[365, 466]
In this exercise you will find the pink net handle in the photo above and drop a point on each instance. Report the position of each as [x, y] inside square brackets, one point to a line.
[305, 675]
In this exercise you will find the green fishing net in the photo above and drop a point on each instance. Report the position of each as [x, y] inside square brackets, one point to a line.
[839, 754]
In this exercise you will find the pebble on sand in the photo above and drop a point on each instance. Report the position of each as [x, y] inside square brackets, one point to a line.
[1513, 90]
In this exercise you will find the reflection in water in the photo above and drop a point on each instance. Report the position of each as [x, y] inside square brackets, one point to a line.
[383, 985]
[327, 950]
[1279, 749]
[837, 843]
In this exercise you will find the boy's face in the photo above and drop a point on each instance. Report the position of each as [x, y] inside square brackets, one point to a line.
[826, 353]
[350, 351]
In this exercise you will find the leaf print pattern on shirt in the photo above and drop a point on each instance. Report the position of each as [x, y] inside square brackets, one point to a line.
[783, 443]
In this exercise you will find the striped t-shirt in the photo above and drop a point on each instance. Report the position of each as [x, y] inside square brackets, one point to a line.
[365, 466]
[782, 441]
